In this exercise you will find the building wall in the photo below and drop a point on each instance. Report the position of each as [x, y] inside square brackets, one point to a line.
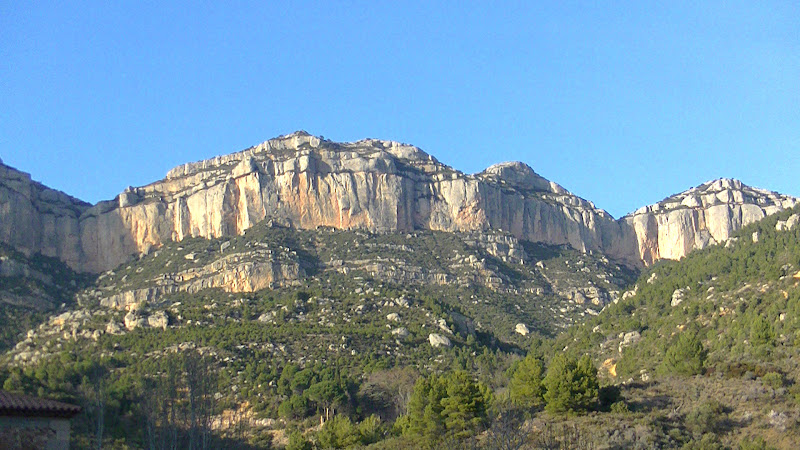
[23, 433]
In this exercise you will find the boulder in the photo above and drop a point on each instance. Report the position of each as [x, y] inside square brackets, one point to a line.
[393, 317]
[437, 340]
[778, 420]
[792, 222]
[463, 324]
[113, 328]
[133, 321]
[128, 198]
[628, 339]
[678, 295]
[158, 320]
[401, 332]
[522, 329]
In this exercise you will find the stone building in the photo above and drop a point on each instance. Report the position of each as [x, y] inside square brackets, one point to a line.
[33, 423]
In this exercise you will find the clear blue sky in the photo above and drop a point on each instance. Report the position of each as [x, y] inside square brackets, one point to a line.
[623, 103]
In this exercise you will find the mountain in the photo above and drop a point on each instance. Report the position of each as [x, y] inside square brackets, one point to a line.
[702, 216]
[303, 274]
[306, 182]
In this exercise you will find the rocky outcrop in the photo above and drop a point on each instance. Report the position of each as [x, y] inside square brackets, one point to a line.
[303, 181]
[788, 224]
[37, 219]
[702, 216]
[239, 272]
[437, 340]
[307, 182]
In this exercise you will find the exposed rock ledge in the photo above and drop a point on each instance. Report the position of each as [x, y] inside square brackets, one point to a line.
[248, 272]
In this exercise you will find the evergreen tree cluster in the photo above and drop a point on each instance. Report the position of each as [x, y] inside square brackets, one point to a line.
[450, 406]
[569, 386]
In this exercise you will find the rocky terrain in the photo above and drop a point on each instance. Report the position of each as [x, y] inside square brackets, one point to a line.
[301, 258]
[37, 219]
[305, 182]
[705, 215]
[738, 304]
[489, 282]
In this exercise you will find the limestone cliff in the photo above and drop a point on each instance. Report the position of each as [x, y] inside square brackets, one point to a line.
[37, 219]
[307, 182]
[705, 215]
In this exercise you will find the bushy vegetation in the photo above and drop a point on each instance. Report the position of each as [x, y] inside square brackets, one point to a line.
[451, 406]
[319, 363]
[685, 356]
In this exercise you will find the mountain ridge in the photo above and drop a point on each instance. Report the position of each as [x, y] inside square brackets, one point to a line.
[306, 181]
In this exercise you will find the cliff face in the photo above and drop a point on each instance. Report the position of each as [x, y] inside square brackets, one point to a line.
[37, 219]
[705, 215]
[305, 182]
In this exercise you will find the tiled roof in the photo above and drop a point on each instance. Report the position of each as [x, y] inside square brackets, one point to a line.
[24, 405]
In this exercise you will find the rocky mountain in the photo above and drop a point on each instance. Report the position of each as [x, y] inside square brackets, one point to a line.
[705, 215]
[306, 182]
[302, 262]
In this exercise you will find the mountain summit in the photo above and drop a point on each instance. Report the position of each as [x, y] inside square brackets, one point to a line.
[704, 215]
[306, 182]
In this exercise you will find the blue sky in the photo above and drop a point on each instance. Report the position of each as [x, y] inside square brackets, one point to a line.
[623, 103]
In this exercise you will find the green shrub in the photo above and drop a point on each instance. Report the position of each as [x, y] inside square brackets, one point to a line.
[706, 418]
[338, 432]
[708, 441]
[619, 408]
[370, 430]
[609, 395]
[761, 332]
[773, 380]
[757, 443]
[298, 442]
[450, 406]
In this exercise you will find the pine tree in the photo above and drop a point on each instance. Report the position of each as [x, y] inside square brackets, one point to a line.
[571, 386]
[451, 406]
[464, 407]
[526, 384]
[686, 356]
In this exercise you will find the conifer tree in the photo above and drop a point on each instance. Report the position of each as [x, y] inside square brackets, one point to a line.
[526, 384]
[571, 386]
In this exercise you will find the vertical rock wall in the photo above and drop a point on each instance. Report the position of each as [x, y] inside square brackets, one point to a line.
[305, 182]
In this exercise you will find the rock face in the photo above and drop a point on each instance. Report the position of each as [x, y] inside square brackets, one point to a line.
[306, 182]
[37, 219]
[303, 181]
[702, 216]
[238, 272]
